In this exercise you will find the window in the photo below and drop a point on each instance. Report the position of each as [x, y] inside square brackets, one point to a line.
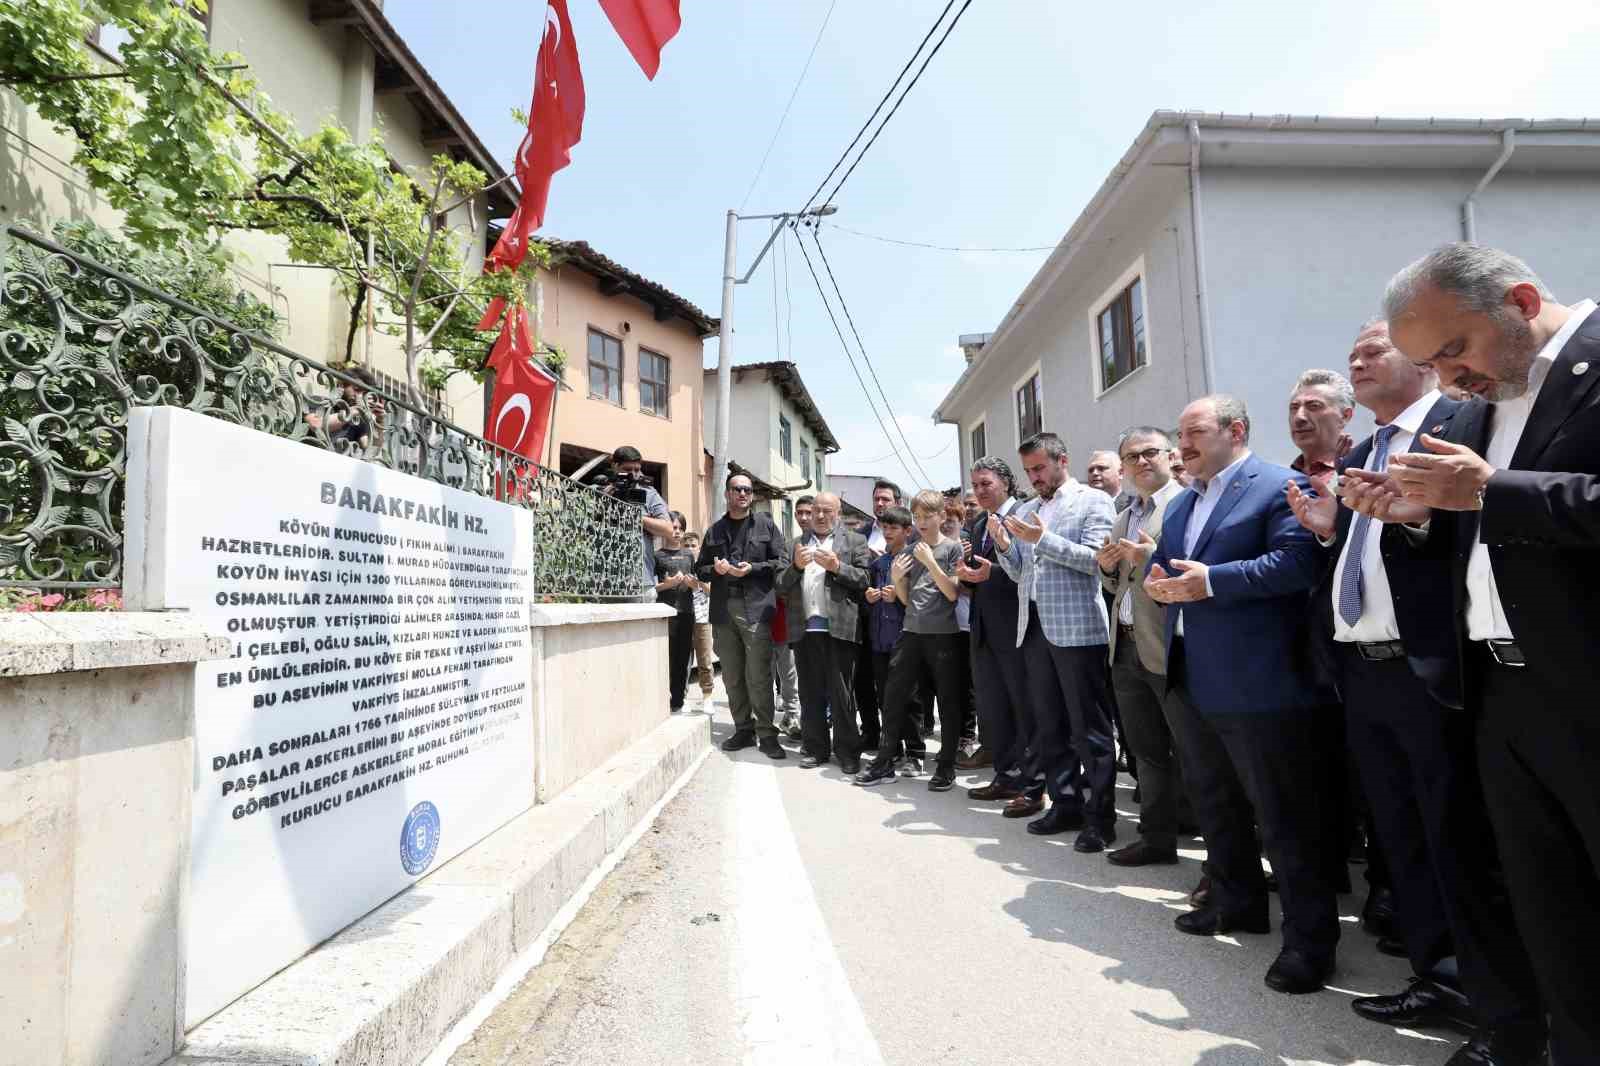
[805, 460]
[980, 446]
[655, 375]
[785, 439]
[1121, 334]
[605, 367]
[1030, 408]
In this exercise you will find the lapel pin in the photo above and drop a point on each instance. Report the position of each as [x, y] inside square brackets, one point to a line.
[1436, 430]
[1580, 369]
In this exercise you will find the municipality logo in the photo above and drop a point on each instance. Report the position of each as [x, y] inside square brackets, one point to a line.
[419, 838]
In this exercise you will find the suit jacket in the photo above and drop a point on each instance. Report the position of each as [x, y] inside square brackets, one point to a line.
[993, 617]
[1246, 647]
[841, 591]
[766, 553]
[1062, 567]
[1419, 582]
[1149, 617]
[1541, 524]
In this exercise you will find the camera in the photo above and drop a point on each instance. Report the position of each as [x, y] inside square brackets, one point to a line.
[629, 486]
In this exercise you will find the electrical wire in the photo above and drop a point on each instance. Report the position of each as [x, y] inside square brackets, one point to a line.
[939, 247]
[785, 116]
[884, 458]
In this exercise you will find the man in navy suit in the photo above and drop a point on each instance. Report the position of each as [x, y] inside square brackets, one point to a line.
[1382, 621]
[1236, 571]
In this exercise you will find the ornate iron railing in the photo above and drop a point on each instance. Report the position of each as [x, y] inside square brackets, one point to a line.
[81, 344]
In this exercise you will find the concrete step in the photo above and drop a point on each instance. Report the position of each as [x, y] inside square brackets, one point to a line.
[386, 990]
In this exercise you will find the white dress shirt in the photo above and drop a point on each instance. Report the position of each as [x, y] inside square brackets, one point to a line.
[813, 579]
[875, 542]
[1377, 622]
[1210, 495]
[1486, 618]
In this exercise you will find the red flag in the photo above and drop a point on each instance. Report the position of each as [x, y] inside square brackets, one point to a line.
[555, 124]
[645, 26]
[524, 394]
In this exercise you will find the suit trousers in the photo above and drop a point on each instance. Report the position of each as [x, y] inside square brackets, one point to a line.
[1000, 676]
[910, 742]
[1144, 723]
[868, 687]
[745, 649]
[680, 642]
[1418, 764]
[1537, 752]
[914, 654]
[1074, 745]
[1241, 769]
[827, 667]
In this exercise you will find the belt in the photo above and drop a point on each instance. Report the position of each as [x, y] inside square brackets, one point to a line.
[1125, 628]
[1381, 650]
[1505, 652]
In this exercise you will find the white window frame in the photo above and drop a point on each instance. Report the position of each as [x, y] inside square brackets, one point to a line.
[1011, 398]
[1136, 272]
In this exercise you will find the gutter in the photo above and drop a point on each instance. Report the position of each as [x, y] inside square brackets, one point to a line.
[1469, 213]
[1202, 307]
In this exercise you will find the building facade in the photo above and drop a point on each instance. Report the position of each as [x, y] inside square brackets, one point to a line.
[1228, 254]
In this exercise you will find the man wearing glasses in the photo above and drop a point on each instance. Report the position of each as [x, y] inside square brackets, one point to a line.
[742, 552]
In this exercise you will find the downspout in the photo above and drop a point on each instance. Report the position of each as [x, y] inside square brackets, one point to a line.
[1469, 206]
[1201, 306]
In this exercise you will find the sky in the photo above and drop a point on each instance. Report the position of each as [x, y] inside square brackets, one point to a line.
[1013, 127]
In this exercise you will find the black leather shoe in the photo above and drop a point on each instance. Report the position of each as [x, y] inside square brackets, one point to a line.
[1141, 854]
[1093, 840]
[1200, 898]
[1508, 1045]
[851, 767]
[1209, 921]
[772, 749]
[941, 781]
[1295, 973]
[876, 773]
[1392, 946]
[1377, 916]
[809, 762]
[1056, 820]
[1423, 1003]
[994, 790]
[739, 741]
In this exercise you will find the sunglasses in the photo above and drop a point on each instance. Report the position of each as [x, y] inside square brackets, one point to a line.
[741, 490]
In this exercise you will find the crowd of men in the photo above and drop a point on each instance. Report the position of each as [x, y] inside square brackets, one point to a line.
[1385, 640]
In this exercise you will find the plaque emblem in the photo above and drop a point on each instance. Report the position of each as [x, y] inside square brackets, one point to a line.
[419, 838]
[1580, 369]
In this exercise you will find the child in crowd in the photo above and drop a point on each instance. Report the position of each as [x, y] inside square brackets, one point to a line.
[885, 620]
[675, 588]
[923, 581]
[702, 624]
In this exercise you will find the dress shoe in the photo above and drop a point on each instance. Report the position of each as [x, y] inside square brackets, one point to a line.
[1024, 806]
[976, 760]
[1201, 896]
[1209, 921]
[1377, 916]
[1137, 796]
[851, 767]
[1272, 881]
[1392, 946]
[1093, 840]
[1056, 820]
[1141, 854]
[739, 741]
[876, 773]
[994, 790]
[809, 762]
[942, 781]
[1508, 1045]
[772, 749]
[1423, 1003]
[1294, 972]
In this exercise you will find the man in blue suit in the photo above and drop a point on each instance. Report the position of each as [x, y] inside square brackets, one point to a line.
[1236, 569]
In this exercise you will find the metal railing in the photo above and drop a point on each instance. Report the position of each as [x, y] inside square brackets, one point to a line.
[82, 344]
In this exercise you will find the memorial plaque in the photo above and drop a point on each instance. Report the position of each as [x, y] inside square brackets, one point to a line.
[374, 718]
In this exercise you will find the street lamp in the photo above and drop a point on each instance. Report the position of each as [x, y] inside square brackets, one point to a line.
[725, 332]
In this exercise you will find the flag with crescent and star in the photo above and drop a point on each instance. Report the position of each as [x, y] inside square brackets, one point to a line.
[524, 395]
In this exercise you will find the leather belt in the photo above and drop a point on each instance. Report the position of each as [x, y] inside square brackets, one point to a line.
[1379, 651]
[1124, 628]
[1506, 653]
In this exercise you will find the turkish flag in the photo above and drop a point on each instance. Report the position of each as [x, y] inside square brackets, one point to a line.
[645, 26]
[524, 396]
[555, 124]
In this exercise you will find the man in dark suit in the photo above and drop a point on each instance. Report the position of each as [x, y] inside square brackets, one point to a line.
[822, 589]
[1528, 606]
[1235, 570]
[998, 665]
[1382, 620]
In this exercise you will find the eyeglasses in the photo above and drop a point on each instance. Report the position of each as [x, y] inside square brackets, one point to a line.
[1148, 455]
[741, 490]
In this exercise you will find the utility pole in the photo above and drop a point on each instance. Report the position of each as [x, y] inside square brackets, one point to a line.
[730, 278]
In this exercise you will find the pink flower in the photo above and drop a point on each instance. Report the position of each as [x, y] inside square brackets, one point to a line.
[52, 601]
[105, 600]
[26, 605]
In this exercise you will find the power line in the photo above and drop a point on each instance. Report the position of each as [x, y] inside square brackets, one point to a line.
[864, 126]
[940, 247]
[785, 116]
[890, 116]
[883, 458]
[887, 406]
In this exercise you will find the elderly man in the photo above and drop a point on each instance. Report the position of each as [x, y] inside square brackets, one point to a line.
[822, 588]
[1383, 618]
[1138, 645]
[1235, 570]
[1104, 473]
[1528, 598]
[1048, 547]
[1320, 406]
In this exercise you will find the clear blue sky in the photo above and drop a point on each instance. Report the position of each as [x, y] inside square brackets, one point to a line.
[1009, 133]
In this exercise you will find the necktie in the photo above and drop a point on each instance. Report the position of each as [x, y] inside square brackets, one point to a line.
[1350, 581]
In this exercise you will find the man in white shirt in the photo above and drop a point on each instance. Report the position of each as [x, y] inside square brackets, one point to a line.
[1528, 490]
[1383, 625]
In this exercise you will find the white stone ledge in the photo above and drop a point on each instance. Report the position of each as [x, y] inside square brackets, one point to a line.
[588, 614]
[59, 641]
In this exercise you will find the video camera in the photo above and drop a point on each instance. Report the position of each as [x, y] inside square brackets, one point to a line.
[630, 487]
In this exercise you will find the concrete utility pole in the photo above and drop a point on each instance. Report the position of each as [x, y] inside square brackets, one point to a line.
[730, 278]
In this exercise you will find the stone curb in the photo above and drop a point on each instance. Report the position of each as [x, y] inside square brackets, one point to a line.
[385, 991]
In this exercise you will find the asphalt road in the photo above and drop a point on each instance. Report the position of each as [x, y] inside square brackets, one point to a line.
[775, 915]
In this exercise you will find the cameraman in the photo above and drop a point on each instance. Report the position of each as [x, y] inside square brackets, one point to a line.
[629, 483]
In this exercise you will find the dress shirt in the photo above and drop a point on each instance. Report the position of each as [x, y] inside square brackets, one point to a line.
[1047, 512]
[985, 541]
[812, 581]
[1142, 510]
[875, 542]
[1210, 493]
[1377, 622]
[1486, 618]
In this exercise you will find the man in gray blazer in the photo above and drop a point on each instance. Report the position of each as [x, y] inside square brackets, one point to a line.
[1138, 644]
[822, 591]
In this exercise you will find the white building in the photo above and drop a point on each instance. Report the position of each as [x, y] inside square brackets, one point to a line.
[1299, 222]
[775, 433]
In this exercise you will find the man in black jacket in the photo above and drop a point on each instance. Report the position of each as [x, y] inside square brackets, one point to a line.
[742, 552]
[1528, 594]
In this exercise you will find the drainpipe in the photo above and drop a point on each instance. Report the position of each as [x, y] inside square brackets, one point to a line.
[1469, 215]
[1201, 306]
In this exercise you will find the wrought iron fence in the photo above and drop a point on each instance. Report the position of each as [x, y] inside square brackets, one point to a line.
[82, 344]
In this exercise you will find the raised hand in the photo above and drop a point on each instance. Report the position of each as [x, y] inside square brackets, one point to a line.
[1139, 551]
[922, 553]
[720, 565]
[1317, 511]
[976, 572]
[901, 566]
[828, 560]
[1378, 497]
[998, 534]
[874, 595]
[1110, 555]
[803, 554]
[1447, 476]
[739, 570]
[1029, 528]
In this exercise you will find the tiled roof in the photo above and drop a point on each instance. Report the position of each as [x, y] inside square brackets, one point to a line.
[616, 278]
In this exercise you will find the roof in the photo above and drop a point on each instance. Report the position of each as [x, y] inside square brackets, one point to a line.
[617, 279]
[786, 376]
[398, 70]
[765, 490]
[1308, 141]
